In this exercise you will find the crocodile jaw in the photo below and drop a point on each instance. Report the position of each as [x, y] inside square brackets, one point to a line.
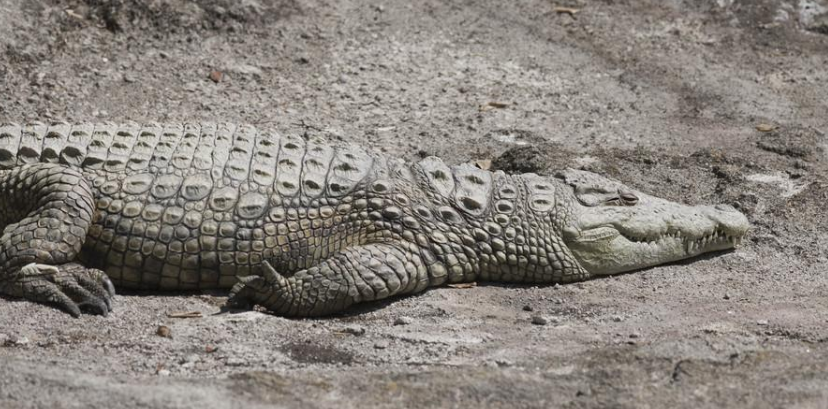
[605, 250]
[608, 239]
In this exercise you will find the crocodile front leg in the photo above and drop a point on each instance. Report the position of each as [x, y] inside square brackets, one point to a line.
[358, 274]
[46, 210]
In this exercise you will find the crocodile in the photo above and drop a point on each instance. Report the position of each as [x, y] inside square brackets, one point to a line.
[304, 228]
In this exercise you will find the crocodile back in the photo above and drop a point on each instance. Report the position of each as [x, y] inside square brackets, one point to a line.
[199, 157]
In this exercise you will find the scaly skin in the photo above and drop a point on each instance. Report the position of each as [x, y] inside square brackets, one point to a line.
[303, 228]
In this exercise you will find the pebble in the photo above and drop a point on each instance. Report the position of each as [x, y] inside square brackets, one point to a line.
[244, 69]
[163, 372]
[17, 341]
[403, 320]
[528, 308]
[762, 322]
[190, 359]
[354, 330]
[726, 296]
[635, 335]
[540, 320]
[617, 318]
[163, 331]
[236, 362]
[503, 363]
[380, 345]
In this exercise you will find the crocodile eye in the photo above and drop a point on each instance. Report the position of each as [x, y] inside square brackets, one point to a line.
[613, 201]
[628, 198]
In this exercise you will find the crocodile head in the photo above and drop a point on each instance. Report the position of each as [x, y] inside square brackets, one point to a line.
[613, 228]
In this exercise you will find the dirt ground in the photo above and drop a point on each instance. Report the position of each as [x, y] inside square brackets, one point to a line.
[697, 101]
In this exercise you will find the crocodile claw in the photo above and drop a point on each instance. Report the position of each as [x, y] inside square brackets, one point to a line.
[71, 287]
[254, 288]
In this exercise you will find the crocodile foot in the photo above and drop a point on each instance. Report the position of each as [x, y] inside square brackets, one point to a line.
[70, 287]
[255, 289]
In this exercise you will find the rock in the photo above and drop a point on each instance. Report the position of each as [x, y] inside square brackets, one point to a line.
[521, 159]
[215, 76]
[381, 345]
[528, 308]
[617, 318]
[635, 335]
[403, 320]
[762, 322]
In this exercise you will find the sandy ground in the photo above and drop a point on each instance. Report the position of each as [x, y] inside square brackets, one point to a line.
[663, 95]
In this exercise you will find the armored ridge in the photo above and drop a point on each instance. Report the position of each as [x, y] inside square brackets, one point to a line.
[308, 228]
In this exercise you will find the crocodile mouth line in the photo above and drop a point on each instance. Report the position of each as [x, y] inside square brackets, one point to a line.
[716, 237]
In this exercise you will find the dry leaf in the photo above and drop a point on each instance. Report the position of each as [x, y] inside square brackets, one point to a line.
[71, 13]
[566, 10]
[493, 104]
[463, 285]
[766, 127]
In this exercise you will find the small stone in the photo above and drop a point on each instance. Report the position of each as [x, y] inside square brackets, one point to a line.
[244, 69]
[503, 363]
[128, 78]
[215, 76]
[540, 320]
[14, 340]
[726, 296]
[635, 335]
[236, 362]
[403, 320]
[163, 372]
[617, 318]
[528, 308]
[357, 331]
[163, 331]
[192, 358]
[380, 345]
[210, 349]
[762, 322]
[191, 86]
